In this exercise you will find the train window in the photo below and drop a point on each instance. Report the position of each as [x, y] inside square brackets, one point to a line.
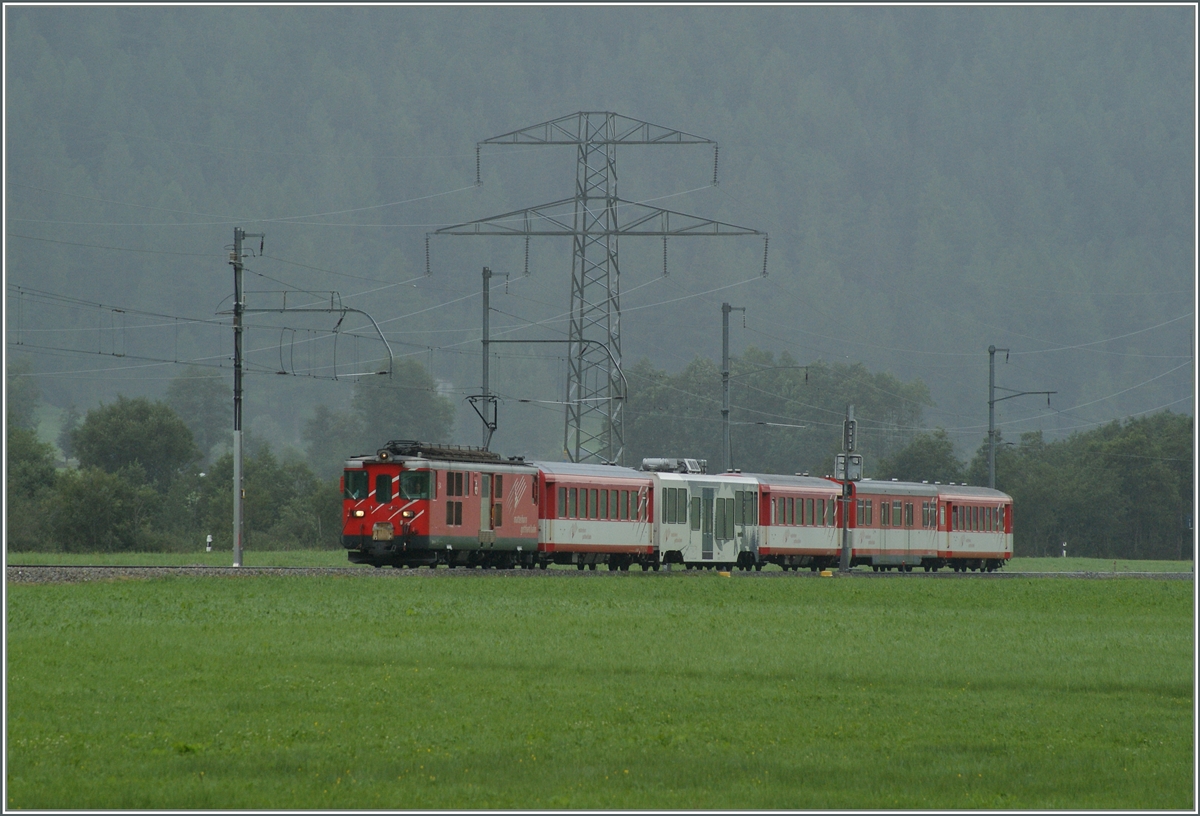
[487, 485]
[454, 513]
[572, 503]
[885, 514]
[668, 511]
[356, 484]
[753, 507]
[896, 510]
[739, 504]
[535, 490]
[414, 484]
[593, 504]
[789, 510]
[623, 503]
[819, 518]
[725, 519]
[499, 484]
[806, 517]
[942, 516]
[383, 488]
[497, 514]
[562, 502]
[682, 509]
[603, 512]
[870, 511]
[458, 513]
[695, 513]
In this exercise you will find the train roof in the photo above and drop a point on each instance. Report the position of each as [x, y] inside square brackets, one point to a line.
[589, 470]
[969, 492]
[807, 482]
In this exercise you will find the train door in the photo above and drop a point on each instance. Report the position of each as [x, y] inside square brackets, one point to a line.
[706, 522]
[486, 534]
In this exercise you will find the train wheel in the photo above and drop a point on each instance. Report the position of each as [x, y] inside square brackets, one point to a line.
[592, 567]
[580, 566]
[758, 567]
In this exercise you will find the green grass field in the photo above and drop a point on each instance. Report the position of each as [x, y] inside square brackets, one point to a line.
[689, 691]
[337, 558]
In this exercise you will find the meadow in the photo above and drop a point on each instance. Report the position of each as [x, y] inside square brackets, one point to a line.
[691, 691]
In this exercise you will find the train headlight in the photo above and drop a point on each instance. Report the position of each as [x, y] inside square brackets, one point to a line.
[407, 514]
[359, 513]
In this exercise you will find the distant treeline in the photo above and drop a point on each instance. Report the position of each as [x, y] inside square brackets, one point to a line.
[139, 481]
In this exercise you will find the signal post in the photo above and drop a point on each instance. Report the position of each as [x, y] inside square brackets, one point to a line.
[848, 468]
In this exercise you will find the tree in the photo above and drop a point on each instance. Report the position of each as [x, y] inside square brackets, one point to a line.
[204, 403]
[23, 394]
[30, 463]
[928, 457]
[136, 433]
[331, 437]
[31, 482]
[286, 505]
[70, 422]
[404, 406]
[95, 511]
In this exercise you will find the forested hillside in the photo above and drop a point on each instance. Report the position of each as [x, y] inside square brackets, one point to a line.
[933, 180]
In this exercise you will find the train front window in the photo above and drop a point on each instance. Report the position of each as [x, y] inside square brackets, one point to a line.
[414, 484]
[383, 488]
[357, 485]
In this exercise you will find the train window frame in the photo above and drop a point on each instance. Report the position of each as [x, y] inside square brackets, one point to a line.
[383, 488]
[414, 484]
[562, 502]
[593, 503]
[602, 511]
[809, 509]
[885, 513]
[356, 485]
[908, 514]
[573, 502]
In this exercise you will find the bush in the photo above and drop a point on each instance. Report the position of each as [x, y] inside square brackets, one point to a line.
[96, 511]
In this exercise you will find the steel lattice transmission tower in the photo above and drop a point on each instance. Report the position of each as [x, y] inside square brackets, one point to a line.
[595, 399]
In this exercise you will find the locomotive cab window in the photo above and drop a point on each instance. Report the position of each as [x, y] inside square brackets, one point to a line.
[357, 483]
[383, 488]
[414, 484]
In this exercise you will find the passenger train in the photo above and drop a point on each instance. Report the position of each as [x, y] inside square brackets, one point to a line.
[412, 504]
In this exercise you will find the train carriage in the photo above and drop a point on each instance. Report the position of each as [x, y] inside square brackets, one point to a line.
[974, 527]
[705, 521]
[899, 525]
[595, 514]
[802, 521]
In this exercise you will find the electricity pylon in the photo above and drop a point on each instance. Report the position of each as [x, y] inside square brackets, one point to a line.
[593, 429]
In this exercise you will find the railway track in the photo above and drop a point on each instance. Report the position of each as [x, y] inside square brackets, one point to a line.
[46, 573]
